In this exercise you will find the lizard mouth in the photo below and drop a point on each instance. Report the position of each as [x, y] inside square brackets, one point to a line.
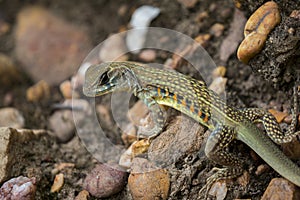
[98, 90]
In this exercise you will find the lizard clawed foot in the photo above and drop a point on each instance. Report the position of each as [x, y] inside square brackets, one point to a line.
[218, 174]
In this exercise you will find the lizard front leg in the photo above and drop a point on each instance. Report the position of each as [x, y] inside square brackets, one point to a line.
[157, 113]
[216, 150]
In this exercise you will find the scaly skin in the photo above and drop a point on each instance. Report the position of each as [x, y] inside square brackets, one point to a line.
[192, 97]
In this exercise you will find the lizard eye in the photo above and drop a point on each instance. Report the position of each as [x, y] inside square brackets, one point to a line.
[103, 79]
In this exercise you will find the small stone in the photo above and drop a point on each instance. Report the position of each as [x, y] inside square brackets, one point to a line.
[147, 55]
[147, 182]
[82, 195]
[138, 111]
[203, 39]
[58, 183]
[66, 89]
[105, 180]
[11, 117]
[219, 71]
[244, 179]
[48, 47]
[219, 190]
[129, 134]
[278, 115]
[21, 188]
[140, 147]
[218, 85]
[217, 29]
[261, 169]
[188, 3]
[126, 158]
[280, 188]
[9, 75]
[295, 14]
[38, 92]
[202, 16]
[62, 124]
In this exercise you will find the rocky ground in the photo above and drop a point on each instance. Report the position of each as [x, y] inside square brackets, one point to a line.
[53, 149]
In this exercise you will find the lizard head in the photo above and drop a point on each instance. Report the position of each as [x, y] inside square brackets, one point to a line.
[108, 77]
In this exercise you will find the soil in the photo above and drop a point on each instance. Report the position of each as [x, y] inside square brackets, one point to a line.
[245, 87]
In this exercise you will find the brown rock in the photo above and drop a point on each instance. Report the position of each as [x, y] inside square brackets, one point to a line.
[38, 92]
[138, 111]
[217, 29]
[219, 190]
[21, 188]
[203, 39]
[58, 183]
[83, 195]
[105, 180]
[140, 147]
[182, 137]
[66, 89]
[147, 55]
[146, 182]
[257, 28]
[188, 3]
[11, 117]
[11, 149]
[48, 47]
[261, 169]
[280, 188]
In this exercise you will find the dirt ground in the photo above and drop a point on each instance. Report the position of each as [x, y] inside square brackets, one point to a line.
[247, 85]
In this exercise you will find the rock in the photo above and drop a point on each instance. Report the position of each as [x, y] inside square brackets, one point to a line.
[66, 89]
[147, 55]
[62, 121]
[219, 71]
[83, 195]
[129, 134]
[125, 160]
[218, 85]
[58, 183]
[188, 3]
[20, 188]
[147, 182]
[261, 169]
[9, 74]
[9, 154]
[138, 112]
[219, 190]
[203, 39]
[140, 147]
[11, 117]
[62, 124]
[257, 29]
[38, 92]
[280, 188]
[182, 137]
[217, 29]
[48, 47]
[105, 180]
[244, 179]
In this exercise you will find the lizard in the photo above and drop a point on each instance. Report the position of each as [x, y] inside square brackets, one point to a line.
[156, 87]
